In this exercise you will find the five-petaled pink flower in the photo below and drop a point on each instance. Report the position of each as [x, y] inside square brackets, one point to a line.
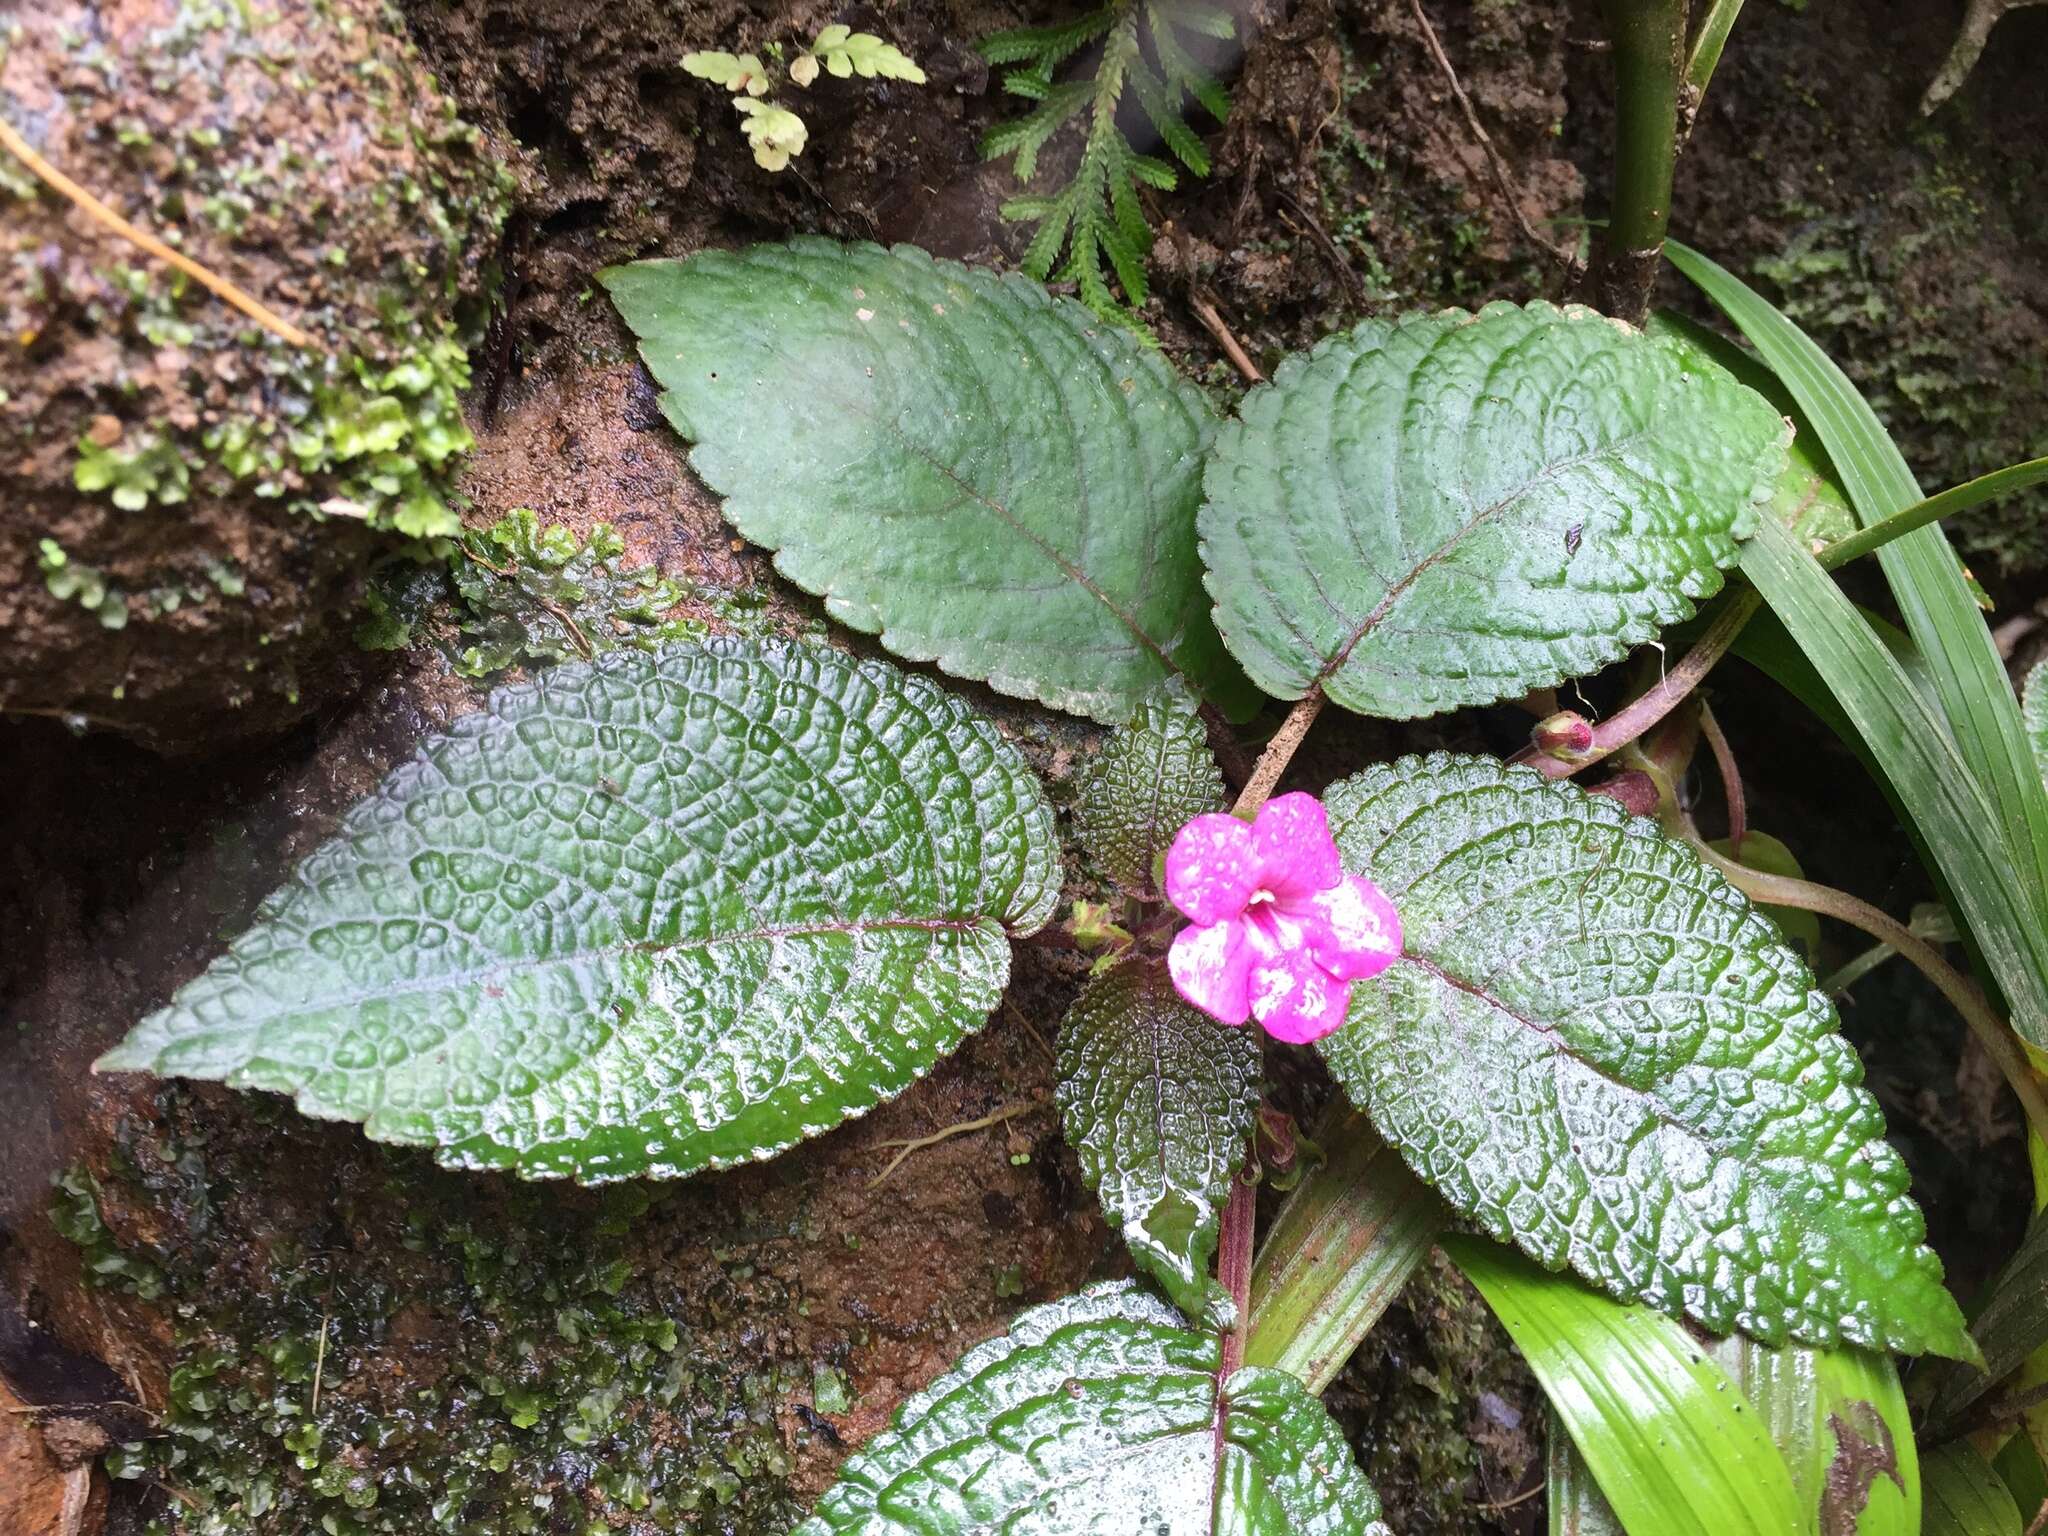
[1277, 931]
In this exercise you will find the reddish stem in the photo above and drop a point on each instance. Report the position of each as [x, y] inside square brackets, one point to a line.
[1731, 779]
[1618, 730]
[1234, 1272]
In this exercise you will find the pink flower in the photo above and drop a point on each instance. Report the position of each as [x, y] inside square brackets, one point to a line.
[1277, 931]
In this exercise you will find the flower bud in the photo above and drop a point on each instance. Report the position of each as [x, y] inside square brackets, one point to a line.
[1565, 735]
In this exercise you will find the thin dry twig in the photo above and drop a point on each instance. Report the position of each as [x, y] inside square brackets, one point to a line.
[1568, 262]
[1214, 324]
[320, 1355]
[2040, 1521]
[1030, 1029]
[100, 213]
[963, 1128]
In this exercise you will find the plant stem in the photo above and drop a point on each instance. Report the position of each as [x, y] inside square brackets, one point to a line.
[1342, 1247]
[1649, 61]
[1992, 1032]
[1623, 727]
[1234, 1271]
[1707, 44]
[1957, 498]
[1279, 753]
[100, 213]
[1731, 779]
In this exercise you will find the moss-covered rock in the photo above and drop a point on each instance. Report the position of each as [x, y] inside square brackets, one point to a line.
[190, 499]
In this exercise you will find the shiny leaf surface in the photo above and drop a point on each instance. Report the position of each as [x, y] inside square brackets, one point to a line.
[983, 475]
[1157, 1100]
[1598, 1050]
[652, 915]
[1098, 1414]
[1453, 509]
[1668, 1438]
[1152, 776]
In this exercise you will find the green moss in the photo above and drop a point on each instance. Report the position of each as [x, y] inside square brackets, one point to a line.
[420, 1353]
[75, 1213]
[134, 471]
[1929, 354]
[68, 580]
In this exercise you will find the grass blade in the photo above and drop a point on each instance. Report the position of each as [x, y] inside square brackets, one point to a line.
[1668, 1437]
[1924, 765]
[1966, 1498]
[1927, 580]
[1344, 1244]
[1957, 498]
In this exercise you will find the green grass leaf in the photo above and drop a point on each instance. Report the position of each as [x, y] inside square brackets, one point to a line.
[651, 915]
[1934, 595]
[1454, 509]
[1348, 1239]
[1157, 1101]
[1882, 706]
[1099, 1413]
[1599, 1051]
[2009, 1325]
[1663, 1429]
[1965, 1497]
[1839, 1417]
[985, 476]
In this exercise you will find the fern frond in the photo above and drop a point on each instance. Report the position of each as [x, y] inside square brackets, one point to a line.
[1097, 221]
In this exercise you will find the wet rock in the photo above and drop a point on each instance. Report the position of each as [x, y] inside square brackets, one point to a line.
[187, 501]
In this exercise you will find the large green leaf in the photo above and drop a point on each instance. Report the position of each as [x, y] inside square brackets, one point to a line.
[650, 915]
[1839, 1416]
[1924, 765]
[1934, 594]
[1099, 1413]
[1152, 776]
[983, 475]
[1668, 1438]
[1454, 509]
[1157, 1100]
[1598, 1050]
[1966, 1498]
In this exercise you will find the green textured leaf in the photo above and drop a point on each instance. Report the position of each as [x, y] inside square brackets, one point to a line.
[1808, 497]
[1670, 1441]
[1157, 1100]
[1598, 1050]
[1839, 1416]
[1150, 778]
[1454, 509]
[985, 476]
[651, 915]
[1098, 1413]
[1966, 1498]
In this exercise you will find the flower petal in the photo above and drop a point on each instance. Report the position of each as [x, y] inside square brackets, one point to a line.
[1210, 967]
[1352, 928]
[1296, 999]
[1211, 869]
[1296, 854]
